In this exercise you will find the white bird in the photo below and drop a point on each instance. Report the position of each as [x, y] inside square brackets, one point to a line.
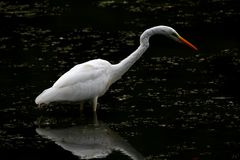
[90, 80]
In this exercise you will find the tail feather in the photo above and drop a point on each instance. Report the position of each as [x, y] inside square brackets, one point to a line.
[47, 96]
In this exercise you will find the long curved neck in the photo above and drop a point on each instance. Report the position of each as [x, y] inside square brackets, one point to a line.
[125, 64]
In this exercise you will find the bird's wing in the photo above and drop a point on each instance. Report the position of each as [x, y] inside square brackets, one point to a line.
[82, 73]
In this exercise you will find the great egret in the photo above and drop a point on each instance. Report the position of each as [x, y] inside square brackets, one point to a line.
[90, 80]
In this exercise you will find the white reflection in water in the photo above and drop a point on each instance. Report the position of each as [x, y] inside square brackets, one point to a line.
[89, 141]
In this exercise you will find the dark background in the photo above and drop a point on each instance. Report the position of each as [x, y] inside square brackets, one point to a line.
[173, 103]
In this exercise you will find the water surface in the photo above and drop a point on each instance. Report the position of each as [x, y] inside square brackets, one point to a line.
[172, 104]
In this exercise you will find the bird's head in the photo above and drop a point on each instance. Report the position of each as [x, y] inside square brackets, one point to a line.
[172, 34]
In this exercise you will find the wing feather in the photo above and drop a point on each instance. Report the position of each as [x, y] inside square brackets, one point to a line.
[82, 73]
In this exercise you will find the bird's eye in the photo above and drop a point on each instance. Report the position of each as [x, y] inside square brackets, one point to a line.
[174, 34]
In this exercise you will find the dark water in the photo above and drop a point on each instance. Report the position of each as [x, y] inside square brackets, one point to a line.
[172, 104]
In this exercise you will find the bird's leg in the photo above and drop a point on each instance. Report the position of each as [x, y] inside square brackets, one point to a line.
[95, 104]
[81, 106]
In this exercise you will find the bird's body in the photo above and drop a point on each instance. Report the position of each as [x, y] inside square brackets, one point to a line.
[79, 83]
[90, 80]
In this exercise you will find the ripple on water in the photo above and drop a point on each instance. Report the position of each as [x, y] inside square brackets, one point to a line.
[32, 9]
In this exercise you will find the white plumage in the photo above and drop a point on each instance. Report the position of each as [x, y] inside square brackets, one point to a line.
[79, 83]
[90, 80]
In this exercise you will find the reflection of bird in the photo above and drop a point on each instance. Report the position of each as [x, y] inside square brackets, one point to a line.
[90, 141]
[90, 80]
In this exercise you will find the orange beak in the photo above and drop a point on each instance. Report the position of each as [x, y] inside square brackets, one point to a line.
[187, 43]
